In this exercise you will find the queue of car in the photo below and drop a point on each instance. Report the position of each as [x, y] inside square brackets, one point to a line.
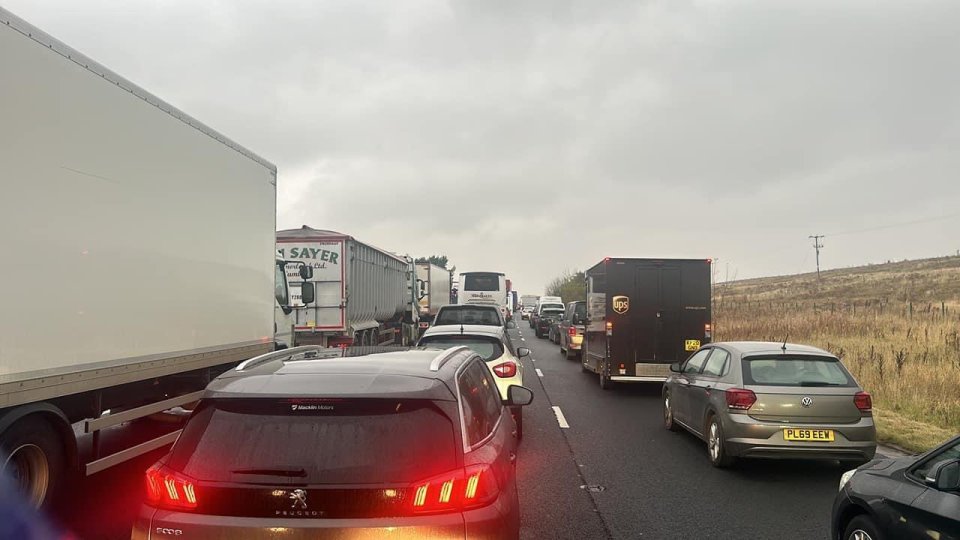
[783, 400]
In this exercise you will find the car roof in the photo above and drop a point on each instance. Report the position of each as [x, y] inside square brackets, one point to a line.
[372, 372]
[471, 306]
[753, 348]
[466, 329]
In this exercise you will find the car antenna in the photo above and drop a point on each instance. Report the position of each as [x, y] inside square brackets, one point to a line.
[784, 346]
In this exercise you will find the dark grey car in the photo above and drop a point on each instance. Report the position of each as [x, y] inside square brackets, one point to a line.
[307, 443]
[770, 400]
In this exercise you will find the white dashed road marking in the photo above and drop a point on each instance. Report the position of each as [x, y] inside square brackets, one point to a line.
[560, 418]
[539, 373]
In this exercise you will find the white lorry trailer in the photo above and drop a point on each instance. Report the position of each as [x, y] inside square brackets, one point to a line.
[364, 295]
[433, 283]
[140, 258]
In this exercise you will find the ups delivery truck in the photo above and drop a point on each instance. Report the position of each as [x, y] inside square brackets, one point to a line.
[643, 315]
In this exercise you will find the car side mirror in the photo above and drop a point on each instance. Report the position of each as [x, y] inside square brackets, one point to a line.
[306, 272]
[511, 325]
[675, 367]
[307, 292]
[944, 476]
[519, 396]
[522, 352]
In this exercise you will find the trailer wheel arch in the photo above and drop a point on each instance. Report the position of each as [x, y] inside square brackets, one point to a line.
[53, 418]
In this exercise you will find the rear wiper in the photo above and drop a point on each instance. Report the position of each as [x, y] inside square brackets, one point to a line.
[291, 472]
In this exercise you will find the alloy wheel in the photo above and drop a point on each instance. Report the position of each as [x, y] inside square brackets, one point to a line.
[859, 534]
[713, 441]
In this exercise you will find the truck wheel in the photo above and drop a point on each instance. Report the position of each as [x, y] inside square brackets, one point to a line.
[605, 382]
[34, 459]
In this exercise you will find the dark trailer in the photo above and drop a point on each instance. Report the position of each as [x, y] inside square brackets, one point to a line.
[643, 315]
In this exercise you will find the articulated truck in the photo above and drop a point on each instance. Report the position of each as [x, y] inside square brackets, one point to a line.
[365, 295]
[140, 260]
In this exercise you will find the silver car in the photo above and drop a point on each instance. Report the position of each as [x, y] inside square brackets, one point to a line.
[770, 400]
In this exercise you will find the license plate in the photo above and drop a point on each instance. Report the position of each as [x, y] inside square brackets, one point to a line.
[808, 435]
[691, 344]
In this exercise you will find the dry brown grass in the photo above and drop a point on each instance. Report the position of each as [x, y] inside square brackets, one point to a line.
[896, 327]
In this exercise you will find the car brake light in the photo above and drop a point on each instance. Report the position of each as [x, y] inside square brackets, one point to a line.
[455, 491]
[505, 370]
[572, 331]
[609, 328]
[740, 398]
[169, 489]
[863, 401]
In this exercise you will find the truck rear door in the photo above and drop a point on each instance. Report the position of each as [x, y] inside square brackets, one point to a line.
[672, 310]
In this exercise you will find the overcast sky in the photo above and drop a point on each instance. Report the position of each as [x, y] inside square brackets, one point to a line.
[532, 137]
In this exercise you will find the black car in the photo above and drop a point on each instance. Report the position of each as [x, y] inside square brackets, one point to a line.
[355, 443]
[909, 497]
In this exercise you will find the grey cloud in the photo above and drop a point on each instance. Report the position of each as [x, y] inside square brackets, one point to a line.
[540, 135]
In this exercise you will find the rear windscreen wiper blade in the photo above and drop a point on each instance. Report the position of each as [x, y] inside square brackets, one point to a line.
[290, 472]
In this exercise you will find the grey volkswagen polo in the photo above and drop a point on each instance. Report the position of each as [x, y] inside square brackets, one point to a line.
[770, 400]
[327, 443]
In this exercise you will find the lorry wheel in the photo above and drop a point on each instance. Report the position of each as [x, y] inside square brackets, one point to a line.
[605, 382]
[34, 459]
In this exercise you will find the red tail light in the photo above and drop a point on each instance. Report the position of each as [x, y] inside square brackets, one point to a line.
[740, 398]
[863, 401]
[609, 328]
[505, 370]
[572, 331]
[169, 489]
[455, 491]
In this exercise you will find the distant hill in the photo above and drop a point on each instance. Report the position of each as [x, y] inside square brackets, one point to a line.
[922, 282]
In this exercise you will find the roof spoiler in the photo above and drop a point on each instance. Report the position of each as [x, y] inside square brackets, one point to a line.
[445, 356]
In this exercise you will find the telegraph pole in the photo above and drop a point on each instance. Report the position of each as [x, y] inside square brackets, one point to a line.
[817, 245]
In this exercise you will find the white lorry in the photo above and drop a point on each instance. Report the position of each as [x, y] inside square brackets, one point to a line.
[364, 295]
[140, 258]
[434, 287]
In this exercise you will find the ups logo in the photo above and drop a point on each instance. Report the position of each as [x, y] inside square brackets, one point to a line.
[621, 304]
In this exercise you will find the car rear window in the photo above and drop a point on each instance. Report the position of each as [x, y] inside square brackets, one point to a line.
[316, 441]
[468, 315]
[487, 347]
[552, 313]
[795, 371]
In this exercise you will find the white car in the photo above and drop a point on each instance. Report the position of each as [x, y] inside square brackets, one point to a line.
[493, 345]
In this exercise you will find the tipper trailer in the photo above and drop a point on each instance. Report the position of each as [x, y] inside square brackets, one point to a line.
[364, 295]
[140, 245]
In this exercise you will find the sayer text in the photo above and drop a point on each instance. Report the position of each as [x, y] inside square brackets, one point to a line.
[311, 253]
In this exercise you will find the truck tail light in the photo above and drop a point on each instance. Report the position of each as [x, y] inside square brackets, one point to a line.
[863, 401]
[169, 489]
[455, 491]
[505, 370]
[708, 330]
[740, 398]
[572, 331]
[609, 328]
